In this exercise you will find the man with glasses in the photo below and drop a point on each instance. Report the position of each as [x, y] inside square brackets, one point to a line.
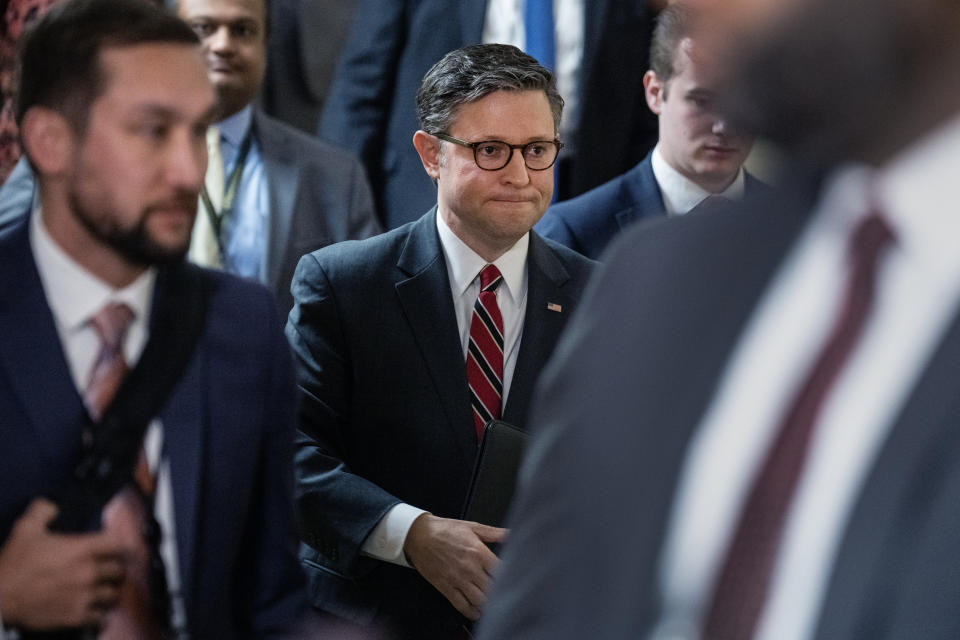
[393, 338]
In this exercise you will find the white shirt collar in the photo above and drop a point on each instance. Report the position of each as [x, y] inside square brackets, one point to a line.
[910, 193]
[73, 293]
[464, 265]
[680, 194]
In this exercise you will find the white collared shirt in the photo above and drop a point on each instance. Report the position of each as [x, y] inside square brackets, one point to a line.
[680, 194]
[918, 292]
[386, 541]
[75, 295]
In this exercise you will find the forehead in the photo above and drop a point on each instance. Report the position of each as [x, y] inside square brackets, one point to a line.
[506, 115]
[227, 10]
[694, 63]
[167, 75]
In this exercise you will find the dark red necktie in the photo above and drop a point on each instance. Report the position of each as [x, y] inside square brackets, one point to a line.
[485, 352]
[741, 589]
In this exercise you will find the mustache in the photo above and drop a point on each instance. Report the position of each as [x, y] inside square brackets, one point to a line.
[182, 199]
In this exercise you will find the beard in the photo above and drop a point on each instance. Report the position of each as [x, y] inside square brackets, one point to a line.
[823, 82]
[135, 244]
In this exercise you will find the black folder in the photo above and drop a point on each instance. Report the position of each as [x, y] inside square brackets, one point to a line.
[495, 473]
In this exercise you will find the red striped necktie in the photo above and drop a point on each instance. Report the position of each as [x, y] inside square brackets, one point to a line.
[485, 352]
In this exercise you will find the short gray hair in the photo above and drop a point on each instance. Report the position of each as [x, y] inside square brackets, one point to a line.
[474, 72]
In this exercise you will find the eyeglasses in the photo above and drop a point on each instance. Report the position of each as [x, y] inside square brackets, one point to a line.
[493, 155]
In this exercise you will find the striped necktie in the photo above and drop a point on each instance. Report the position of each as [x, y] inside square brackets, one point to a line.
[485, 352]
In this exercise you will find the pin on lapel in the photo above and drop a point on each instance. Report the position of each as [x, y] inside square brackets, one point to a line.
[553, 306]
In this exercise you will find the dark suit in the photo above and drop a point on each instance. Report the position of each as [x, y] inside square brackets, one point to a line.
[598, 489]
[318, 195]
[590, 221]
[227, 430]
[371, 107]
[305, 41]
[385, 413]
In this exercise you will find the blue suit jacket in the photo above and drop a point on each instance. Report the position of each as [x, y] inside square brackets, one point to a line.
[317, 194]
[227, 434]
[385, 413]
[371, 105]
[590, 221]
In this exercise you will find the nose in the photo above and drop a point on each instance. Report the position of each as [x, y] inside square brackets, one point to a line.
[516, 171]
[220, 41]
[186, 162]
[721, 126]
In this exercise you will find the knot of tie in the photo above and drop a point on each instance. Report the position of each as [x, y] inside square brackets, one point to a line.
[111, 324]
[490, 278]
[109, 367]
[870, 237]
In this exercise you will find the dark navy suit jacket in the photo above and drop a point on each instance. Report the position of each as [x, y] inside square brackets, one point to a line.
[227, 427]
[590, 221]
[385, 413]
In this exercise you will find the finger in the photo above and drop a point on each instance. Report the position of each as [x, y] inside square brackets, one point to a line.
[475, 595]
[462, 604]
[105, 596]
[110, 569]
[40, 513]
[489, 534]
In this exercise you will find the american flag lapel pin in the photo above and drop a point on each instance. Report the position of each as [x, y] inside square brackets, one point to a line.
[553, 306]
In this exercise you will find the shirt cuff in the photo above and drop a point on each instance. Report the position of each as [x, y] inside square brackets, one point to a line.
[386, 540]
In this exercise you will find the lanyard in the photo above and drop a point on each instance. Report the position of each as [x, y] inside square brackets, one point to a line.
[216, 218]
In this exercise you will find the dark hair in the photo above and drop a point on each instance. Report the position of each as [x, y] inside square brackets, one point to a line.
[674, 23]
[471, 73]
[59, 57]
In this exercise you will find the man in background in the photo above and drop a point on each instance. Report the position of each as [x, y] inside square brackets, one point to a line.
[697, 162]
[272, 193]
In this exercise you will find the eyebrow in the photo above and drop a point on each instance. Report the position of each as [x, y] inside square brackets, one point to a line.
[158, 110]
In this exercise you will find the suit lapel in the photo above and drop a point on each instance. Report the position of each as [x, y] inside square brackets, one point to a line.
[891, 506]
[183, 434]
[643, 192]
[184, 443]
[427, 304]
[282, 176]
[31, 354]
[542, 325]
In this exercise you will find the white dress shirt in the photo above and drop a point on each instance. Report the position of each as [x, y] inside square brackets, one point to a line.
[680, 194]
[918, 291]
[386, 541]
[504, 24]
[75, 295]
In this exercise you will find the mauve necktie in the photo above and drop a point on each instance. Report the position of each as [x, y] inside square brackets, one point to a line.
[741, 589]
[127, 513]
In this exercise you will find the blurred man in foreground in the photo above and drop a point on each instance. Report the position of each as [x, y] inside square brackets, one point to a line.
[774, 452]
